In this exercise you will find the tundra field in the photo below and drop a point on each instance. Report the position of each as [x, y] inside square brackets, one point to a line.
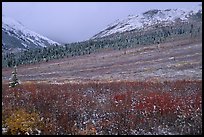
[149, 90]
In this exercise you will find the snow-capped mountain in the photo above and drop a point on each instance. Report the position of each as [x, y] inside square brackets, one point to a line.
[16, 37]
[150, 18]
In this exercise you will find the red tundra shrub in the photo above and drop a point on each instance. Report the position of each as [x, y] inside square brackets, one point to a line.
[114, 107]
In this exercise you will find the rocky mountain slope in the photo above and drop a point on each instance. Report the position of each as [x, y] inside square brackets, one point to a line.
[16, 37]
[151, 19]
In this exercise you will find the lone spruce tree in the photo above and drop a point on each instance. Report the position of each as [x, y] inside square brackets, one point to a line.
[14, 79]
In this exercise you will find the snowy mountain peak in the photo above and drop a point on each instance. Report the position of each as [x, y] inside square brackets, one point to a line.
[16, 35]
[148, 18]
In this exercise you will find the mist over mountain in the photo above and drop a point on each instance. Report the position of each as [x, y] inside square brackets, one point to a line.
[149, 28]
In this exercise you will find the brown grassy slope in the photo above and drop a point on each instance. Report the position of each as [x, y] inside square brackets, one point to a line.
[169, 61]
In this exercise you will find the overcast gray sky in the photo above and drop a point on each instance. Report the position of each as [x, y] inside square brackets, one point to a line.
[67, 22]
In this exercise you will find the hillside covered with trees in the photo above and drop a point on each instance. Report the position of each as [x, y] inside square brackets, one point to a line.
[155, 35]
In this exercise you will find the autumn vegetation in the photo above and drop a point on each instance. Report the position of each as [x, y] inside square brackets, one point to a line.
[169, 107]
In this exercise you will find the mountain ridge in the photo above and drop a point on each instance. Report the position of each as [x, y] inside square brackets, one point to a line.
[147, 19]
[17, 37]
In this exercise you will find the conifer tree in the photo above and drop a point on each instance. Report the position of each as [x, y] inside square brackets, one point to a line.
[14, 79]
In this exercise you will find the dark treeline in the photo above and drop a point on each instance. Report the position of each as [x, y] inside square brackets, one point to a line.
[153, 35]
